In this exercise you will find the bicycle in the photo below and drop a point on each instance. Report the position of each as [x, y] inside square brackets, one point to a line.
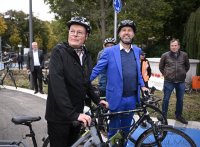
[22, 120]
[7, 63]
[92, 136]
[152, 106]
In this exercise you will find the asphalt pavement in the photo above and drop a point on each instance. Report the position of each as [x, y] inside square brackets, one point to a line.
[15, 103]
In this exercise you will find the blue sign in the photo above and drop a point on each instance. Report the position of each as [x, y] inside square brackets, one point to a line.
[117, 5]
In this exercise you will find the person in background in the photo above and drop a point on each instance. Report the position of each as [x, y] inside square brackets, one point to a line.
[69, 84]
[108, 42]
[174, 65]
[145, 69]
[35, 64]
[5, 57]
[124, 80]
[20, 60]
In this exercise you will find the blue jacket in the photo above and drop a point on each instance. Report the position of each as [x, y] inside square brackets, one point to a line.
[110, 61]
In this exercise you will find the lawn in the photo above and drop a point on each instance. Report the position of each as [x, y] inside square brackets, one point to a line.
[191, 110]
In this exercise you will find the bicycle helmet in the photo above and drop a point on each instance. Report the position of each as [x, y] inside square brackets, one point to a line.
[82, 21]
[125, 23]
[109, 40]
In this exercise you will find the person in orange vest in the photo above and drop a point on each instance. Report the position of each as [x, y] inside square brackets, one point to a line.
[145, 69]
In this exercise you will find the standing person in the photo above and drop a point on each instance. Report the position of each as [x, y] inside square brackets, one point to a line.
[69, 83]
[174, 65]
[20, 60]
[124, 80]
[108, 42]
[35, 64]
[145, 68]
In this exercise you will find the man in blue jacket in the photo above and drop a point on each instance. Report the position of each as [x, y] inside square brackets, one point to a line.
[122, 63]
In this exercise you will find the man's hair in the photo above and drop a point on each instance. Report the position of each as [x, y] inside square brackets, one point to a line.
[174, 39]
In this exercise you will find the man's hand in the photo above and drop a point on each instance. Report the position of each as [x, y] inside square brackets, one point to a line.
[86, 119]
[104, 103]
[145, 89]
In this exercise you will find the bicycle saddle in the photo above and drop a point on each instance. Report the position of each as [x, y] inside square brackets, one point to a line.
[25, 119]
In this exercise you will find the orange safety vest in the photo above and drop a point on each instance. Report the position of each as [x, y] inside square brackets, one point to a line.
[145, 66]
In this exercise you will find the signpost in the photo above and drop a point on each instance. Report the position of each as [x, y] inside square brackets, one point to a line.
[117, 4]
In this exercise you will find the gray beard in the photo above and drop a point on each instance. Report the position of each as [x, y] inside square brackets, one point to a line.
[128, 43]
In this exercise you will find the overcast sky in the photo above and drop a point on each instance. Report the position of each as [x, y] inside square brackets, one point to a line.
[40, 10]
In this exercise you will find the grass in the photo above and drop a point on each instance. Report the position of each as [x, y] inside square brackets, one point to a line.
[191, 108]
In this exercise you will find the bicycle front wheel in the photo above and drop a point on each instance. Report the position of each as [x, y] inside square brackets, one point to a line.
[173, 138]
[154, 114]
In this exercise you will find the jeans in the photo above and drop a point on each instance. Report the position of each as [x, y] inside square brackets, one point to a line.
[180, 90]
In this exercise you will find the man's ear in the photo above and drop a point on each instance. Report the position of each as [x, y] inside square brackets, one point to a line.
[86, 37]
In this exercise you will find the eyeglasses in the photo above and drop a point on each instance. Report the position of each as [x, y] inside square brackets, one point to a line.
[78, 33]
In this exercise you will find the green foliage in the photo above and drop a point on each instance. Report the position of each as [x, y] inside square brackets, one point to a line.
[18, 31]
[192, 37]
[149, 15]
[3, 26]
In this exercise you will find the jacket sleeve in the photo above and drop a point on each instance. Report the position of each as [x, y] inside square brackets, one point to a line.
[162, 64]
[101, 65]
[90, 91]
[28, 61]
[59, 88]
[187, 63]
[149, 70]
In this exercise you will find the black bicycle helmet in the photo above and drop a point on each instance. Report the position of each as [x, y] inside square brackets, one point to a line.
[125, 23]
[109, 40]
[82, 21]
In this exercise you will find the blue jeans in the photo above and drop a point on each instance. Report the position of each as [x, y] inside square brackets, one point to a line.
[180, 90]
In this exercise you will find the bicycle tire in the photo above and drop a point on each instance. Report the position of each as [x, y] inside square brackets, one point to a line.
[13, 79]
[151, 109]
[46, 142]
[177, 139]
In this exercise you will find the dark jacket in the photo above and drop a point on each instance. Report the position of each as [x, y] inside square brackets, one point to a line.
[68, 84]
[20, 58]
[30, 60]
[174, 68]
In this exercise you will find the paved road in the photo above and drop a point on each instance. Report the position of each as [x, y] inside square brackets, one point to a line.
[14, 103]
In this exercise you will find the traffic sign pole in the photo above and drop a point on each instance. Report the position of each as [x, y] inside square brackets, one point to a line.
[117, 8]
[115, 25]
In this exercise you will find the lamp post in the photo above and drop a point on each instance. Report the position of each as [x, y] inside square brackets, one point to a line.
[30, 25]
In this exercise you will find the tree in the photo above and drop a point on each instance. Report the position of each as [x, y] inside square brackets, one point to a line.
[149, 15]
[177, 20]
[3, 26]
[192, 36]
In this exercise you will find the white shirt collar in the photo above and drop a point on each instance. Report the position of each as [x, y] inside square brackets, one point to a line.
[127, 50]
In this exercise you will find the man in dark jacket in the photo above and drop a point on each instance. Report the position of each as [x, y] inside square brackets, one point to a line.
[35, 64]
[174, 65]
[20, 60]
[69, 71]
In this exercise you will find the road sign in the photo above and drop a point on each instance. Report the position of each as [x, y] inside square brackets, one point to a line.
[117, 5]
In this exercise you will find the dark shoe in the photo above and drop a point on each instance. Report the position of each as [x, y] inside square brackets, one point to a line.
[41, 92]
[181, 119]
[35, 92]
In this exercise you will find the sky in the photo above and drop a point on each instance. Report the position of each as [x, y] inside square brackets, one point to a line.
[39, 8]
